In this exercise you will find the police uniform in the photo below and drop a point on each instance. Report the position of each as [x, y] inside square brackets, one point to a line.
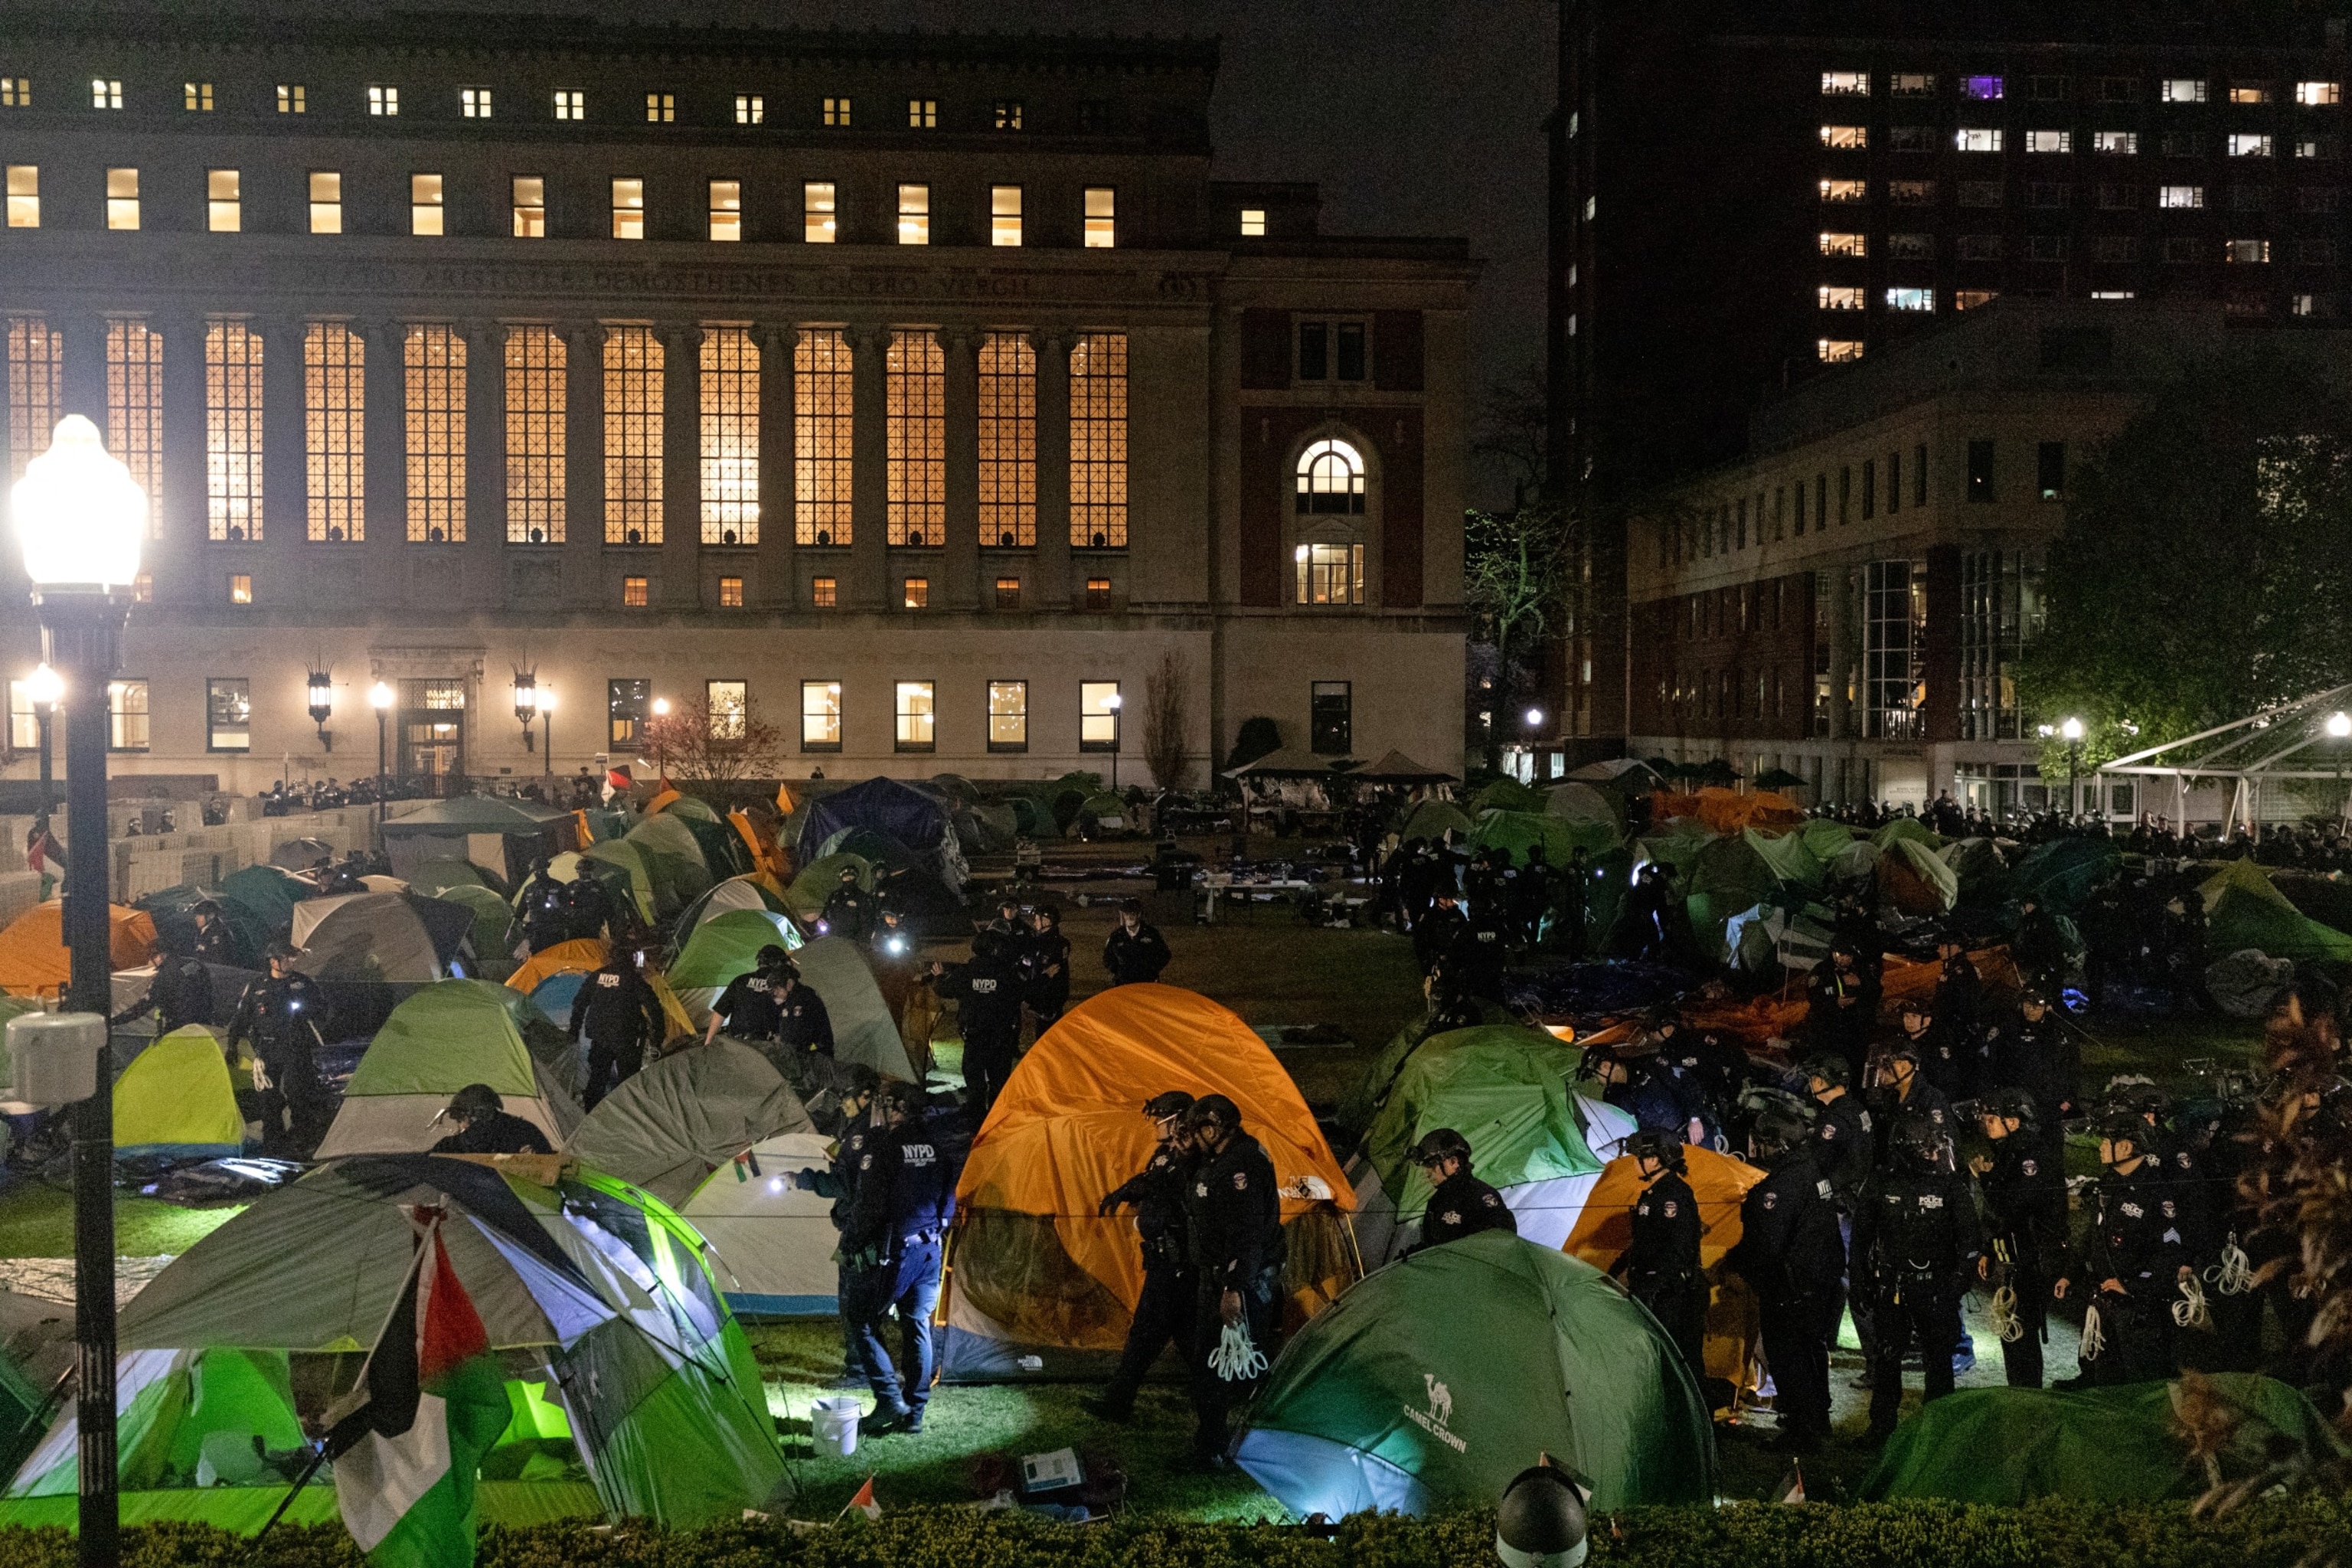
[1925, 1103]
[749, 1006]
[1233, 1221]
[279, 1018]
[495, 1133]
[1662, 1266]
[1048, 992]
[847, 913]
[213, 942]
[2134, 1239]
[1436, 935]
[180, 994]
[987, 992]
[2025, 1234]
[1163, 1312]
[620, 1015]
[2041, 1059]
[1844, 1148]
[1792, 1255]
[1462, 1205]
[1477, 947]
[1135, 957]
[1917, 1235]
[802, 1025]
[904, 1196]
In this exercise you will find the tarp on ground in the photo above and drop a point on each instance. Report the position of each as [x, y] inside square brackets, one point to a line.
[773, 1244]
[921, 822]
[1434, 1381]
[1561, 836]
[1915, 878]
[379, 939]
[2060, 873]
[175, 1102]
[865, 1031]
[722, 950]
[1434, 819]
[2244, 910]
[435, 1043]
[676, 1120]
[1033, 1263]
[1728, 810]
[2005, 1446]
[33, 957]
[1509, 1090]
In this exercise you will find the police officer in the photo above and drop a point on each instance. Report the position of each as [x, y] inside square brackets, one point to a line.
[1136, 952]
[620, 1016]
[1662, 1264]
[279, 1016]
[1645, 1085]
[1903, 1094]
[2023, 1182]
[987, 991]
[847, 910]
[1840, 1006]
[1233, 1220]
[213, 942]
[904, 1196]
[1437, 932]
[180, 995]
[2035, 1052]
[858, 1126]
[802, 1025]
[2133, 1261]
[892, 939]
[586, 908]
[1959, 989]
[1915, 1231]
[748, 1006]
[485, 1126]
[1845, 1148]
[1460, 1203]
[1163, 1312]
[1478, 945]
[1792, 1252]
[541, 904]
[1045, 966]
[1942, 1056]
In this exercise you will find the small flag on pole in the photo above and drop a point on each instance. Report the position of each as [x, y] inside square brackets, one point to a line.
[1793, 1485]
[864, 1501]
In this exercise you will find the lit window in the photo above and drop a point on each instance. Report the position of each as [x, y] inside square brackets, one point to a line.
[628, 703]
[1846, 190]
[2123, 142]
[2249, 92]
[2246, 250]
[915, 592]
[326, 202]
[1008, 440]
[725, 705]
[2111, 293]
[106, 92]
[633, 360]
[240, 587]
[2315, 147]
[922, 114]
[1008, 115]
[1843, 244]
[1008, 702]
[2180, 195]
[293, 98]
[1845, 138]
[1970, 298]
[197, 97]
[1098, 715]
[1836, 350]
[634, 593]
[2250, 146]
[232, 433]
[434, 360]
[24, 195]
[383, 100]
[2314, 93]
[1098, 441]
[1835, 297]
[1098, 596]
[1911, 193]
[1253, 223]
[914, 215]
[16, 92]
[474, 102]
[729, 368]
[2183, 90]
[134, 408]
[1911, 298]
[1102, 218]
[914, 401]
[1981, 88]
[1004, 214]
[1008, 593]
[823, 593]
[661, 108]
[751, 108]
[817, 212]
[1330, 480]
[836, 111]
[2050, 141]
[628, 209]
[1911, 84]
[425, 209]
[334, 421]
[1977, 139]
[126, 715]
[725, 209]
[730, 592]
[537, 398]
[2302, 304]
[820, 702]
[822, 433]
[122, 199]
[223, 207]
[528, 199]
[1845, 84]
[918, 712]
[1330, 573]
[571, 104]
[36, 359]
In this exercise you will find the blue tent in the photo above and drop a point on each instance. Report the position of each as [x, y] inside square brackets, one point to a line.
[921, 822]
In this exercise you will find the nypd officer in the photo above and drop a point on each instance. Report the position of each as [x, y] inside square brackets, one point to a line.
[1915, 1230]
[1233, 1220]
[2024, 1185]
[987, 991]
[279, 1016]
[748, 1006]
[802, 1025]
[1662, 1264]
[1163, 1312]
[1792, 1254]
[848, 910]
[904, 1198]
[1460, 1203]
[2133, 1261]
[181, 992]
[620, 1016]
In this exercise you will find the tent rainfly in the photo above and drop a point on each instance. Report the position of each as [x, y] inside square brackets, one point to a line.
[435, 1043]
[674, 1121]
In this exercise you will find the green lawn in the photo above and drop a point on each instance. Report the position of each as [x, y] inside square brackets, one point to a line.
[37, 1221]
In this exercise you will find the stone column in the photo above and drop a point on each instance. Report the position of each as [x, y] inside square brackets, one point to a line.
[485, 473]
[773, 585]
[386, 434]
[285, 489]
[1846, 706]
[1055, 588]
[178, 557]
[83, 379]
[869, 490]
[681, 560]
[962, 557]
[584, 462]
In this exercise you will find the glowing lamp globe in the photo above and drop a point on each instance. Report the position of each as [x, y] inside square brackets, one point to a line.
[45, 686]
[380, 697]
[2339, 725]
[2071, 729]
[80, 517]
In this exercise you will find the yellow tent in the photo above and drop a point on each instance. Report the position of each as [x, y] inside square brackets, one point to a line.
[1718, 1182]
[33, 958]
[175, 1099]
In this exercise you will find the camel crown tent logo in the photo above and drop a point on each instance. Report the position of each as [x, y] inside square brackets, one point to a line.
[1437, 1420]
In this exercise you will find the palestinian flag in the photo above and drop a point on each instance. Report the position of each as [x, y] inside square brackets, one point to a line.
[434, 1400]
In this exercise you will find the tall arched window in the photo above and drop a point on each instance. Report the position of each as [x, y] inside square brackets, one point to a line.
[1330, 478]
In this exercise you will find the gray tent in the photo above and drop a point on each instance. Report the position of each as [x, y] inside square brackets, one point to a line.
[667, 1127]
[864, 1031]
[506, 836]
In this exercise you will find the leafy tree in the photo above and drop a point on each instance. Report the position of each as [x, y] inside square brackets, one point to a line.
[1516, 580]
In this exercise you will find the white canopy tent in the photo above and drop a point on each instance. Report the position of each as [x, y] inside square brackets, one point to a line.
[2307, 738]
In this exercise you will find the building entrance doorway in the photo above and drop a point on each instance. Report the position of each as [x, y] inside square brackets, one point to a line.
[432, 726]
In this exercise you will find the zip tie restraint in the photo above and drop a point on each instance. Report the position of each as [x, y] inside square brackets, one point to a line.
[2190, 1311]
[1235, 1360]
[2094, 1338]
[2234, 1275]
[2005, 1321]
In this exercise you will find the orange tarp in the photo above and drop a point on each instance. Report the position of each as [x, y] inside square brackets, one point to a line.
[1069, 1126]
[1782, 1012]
[1727, 811]
[581, 955]
[33, 958]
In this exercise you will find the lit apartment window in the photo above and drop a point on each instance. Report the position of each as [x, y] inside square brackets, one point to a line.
[725, 209]
[1330, 480]
[836, 111]
[1845, 84]
[1098, 600]
[918, 709]
[2303, 304]
[134, 408]
[633, 360]
[1330, 573]
[126, 715]
[537, 362]
[197, 97]
[228, 704]
[106, 92]
[1098, 441]
[232, 433]
[821, 437]
[824, 593]
[223, 207]
[1004, 214]
[1970, 298]
[1845, 138]
[335, 446]
[730, 592]
[528, 194]
[1008, 593]
[1837, 351]
[751, 108]
[914, 215]
[1008, 708]
[730, 369]
[1253, 223]
[915, 592]
[36, 359]
[1911, 193]
[1837, 297]
[383, 100]
[293, 98]
[2246, 250]
[571, 104]
[425, 209]
[1008, 440]
[2316, 147]
[2050, 141]
[922, 114]
[2126, 142]
[1977, 139]
[1922, 299]
[326, 202]
[1843, 244]
[661, 108]
[628, 209]
[2180, 195]
[2249, 92]
[2183, 90]
[240, 588]
[820, 702]
[2313, 94]
[1911, 84]
[915, 397]
[434, 361]
[1102, 218]
[724, 705]
[122, 199]
[2250, 146]
[1983, 88]
[817, 212]
[24, 195]
[1846, 190]
[474, 102]
[16, 92]
[636, 593]
[1098, 715]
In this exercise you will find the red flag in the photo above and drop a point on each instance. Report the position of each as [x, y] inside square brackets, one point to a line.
[864, 1501]
[1793, 1485]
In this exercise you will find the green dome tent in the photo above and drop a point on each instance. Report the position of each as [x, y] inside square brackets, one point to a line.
[1579, 802]
[775, 1244]
[1507, 795]
[673, 861]
[175, 1101]
[1790, 859]
[1724, 877]
[2060, 873]
[435, 1043]
[258, 903]
[1518, 831]
[1432, 1383]
[436, 878]
[676, 1120]
[819, 877]
[1032, 818]
[626, 858]
[721, 949]
[1432, 820]
[735, 893]
[1107, 810]
[692, 808]
[1915, 878]
[2244, 910]
[492, 919]
[864, 1030]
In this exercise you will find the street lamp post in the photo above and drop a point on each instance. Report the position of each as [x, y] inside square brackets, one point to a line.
[380, 698]
[2339, 728]
[661, 736]
[547, 731]
[2072, 732]
[79, 518]
[1117, 734]
[45, 687]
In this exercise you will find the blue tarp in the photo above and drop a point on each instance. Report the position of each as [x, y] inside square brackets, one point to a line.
[878, 805]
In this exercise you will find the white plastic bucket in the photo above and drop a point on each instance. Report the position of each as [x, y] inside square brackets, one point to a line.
[832, 1425]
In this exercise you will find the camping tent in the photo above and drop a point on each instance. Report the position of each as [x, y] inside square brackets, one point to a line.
[175, 1101]
[1605, 1228]
[505, 836]
[773, 1242]
[1519, 831]
[33, 957]
[1033, 818]
[923, 822]
[1033, 1267]
[1507, 1089]
[634, 1390]
[1294, 763]
[1394, 767]
[1915, 878]
[865, 1031]
[258, 903]
[673, 860]
[435, 1043]
[2244, 909]
[493, 920]
[433, 877]
[806, 895]
[1587, 802]
[676, 1120]
[379, 939]
[1433, 1382]
[722, 949]
[1626, 773]
[751, 891]
[1432, 820]
[581, 955]
[626, 871]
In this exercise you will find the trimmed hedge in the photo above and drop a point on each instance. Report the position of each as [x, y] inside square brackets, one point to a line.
[2276, 1535]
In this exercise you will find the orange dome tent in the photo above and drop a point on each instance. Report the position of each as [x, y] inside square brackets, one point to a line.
[1033, 1268]
[33, 957]
[581, 955]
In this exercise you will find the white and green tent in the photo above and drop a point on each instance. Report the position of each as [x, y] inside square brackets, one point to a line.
[675, 1121]
[435, 1043]
[772, 1244]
